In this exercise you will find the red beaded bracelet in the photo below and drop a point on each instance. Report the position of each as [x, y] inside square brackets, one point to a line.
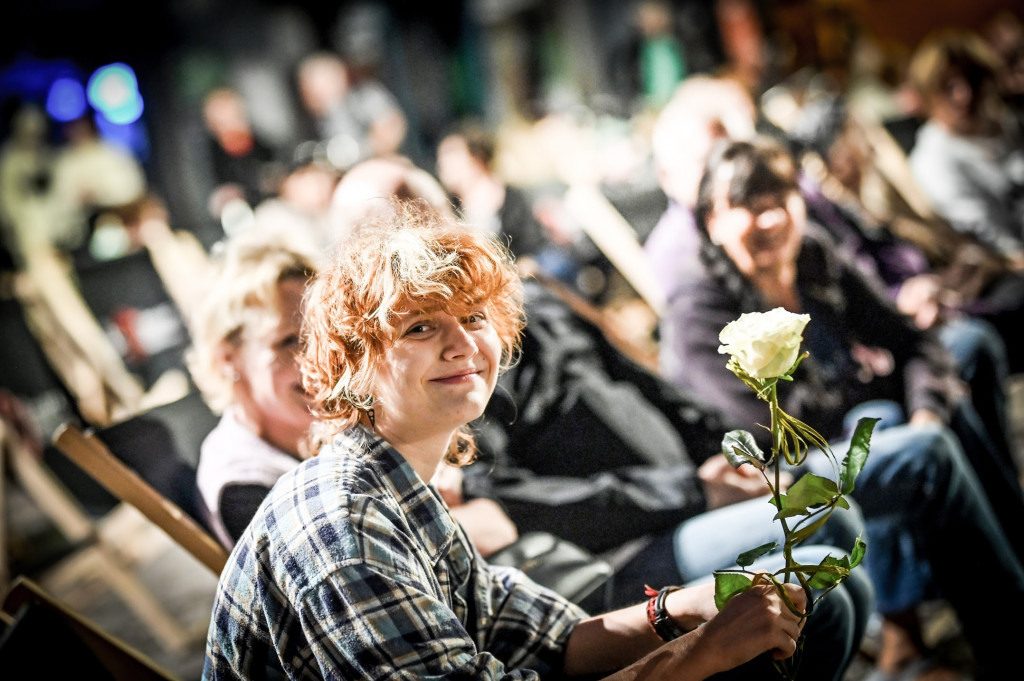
[657, 614]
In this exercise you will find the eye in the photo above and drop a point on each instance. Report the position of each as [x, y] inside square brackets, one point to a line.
[290, 342]
[474, 319]
[419, 327]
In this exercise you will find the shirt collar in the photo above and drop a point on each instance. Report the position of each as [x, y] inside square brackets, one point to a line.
[417, 499]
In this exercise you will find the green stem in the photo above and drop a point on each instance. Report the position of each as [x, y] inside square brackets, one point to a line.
[778, 443]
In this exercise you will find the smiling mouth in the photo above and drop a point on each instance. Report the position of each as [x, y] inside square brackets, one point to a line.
[458, 377]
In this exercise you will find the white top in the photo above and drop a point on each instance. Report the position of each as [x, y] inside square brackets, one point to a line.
[231, 454]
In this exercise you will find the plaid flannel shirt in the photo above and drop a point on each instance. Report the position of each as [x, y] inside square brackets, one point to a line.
[353, 568]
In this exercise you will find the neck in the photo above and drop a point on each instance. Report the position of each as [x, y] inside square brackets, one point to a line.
[778, 287]
[287, 442]
[424, 454]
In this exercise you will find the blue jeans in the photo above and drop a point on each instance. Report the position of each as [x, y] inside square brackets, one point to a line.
[981, 357]
[992, 467]
[931, 531]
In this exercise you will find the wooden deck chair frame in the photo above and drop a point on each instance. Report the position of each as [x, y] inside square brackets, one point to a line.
[74, 340]
[75, 343]
[118, 659]
[87, 450]
[93, 554]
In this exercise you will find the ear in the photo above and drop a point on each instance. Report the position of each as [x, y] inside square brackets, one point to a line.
[227, 359]
[712, 232]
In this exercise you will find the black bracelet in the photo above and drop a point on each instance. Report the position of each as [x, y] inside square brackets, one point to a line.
[658, 616]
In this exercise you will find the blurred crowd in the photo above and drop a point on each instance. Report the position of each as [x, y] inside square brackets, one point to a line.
[588, 154]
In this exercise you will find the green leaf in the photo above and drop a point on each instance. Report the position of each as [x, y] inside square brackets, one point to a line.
[797, 536]
[857, 555]
[727, 585]
[830, 571]
[740, 448]
[746, 558]
[810, 490]
[855, 459]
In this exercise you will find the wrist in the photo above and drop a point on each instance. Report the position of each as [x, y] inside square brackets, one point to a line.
[658, 617]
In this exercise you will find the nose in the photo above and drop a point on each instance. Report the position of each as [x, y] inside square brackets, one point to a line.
[458, 342]
[772, 217]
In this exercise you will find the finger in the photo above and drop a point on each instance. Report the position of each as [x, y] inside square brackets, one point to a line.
[789, 635]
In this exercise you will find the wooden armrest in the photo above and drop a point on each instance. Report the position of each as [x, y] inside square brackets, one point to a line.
[86, 450]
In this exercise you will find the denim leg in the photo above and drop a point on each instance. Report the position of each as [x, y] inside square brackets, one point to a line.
[923, 502]
[712, 540]
[981, 355]
[995, 470]
[888, 413]
[972, 561]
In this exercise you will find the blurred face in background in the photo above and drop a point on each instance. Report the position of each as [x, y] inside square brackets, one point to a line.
[703, 112]
[268, 388]
[322, 83]
[762, 237]
[456, 167]
[964, 99]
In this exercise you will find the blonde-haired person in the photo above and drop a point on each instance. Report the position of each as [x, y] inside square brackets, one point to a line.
[353, 567]
[244, 360]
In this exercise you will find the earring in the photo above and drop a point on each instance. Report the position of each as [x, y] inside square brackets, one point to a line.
[373, 421]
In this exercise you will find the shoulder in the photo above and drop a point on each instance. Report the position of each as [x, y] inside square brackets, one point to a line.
[232, 454]
[340, 509]
[932, 145]
[308, 527]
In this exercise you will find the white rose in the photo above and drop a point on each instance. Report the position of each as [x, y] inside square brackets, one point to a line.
[765, 344]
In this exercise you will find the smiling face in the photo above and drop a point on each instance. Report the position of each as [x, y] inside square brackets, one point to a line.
[437, 375]
[269, 389]
[756, 214]
[762, 236]
[749, 204]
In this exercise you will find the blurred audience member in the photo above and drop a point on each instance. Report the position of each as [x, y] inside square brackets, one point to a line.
[302, 204]
[94, 181]
[465, 168]
[1005, 33]
[244, 166]
[352, 120]
[26, 167]
[245, 339]
[651, 61]
[966, 158]
[364, 191]
[703, 110]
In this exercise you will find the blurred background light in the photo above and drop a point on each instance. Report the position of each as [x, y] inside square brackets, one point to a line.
[113, 90]
[65, 100]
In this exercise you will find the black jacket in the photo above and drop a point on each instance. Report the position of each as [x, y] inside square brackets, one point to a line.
[581, 441]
